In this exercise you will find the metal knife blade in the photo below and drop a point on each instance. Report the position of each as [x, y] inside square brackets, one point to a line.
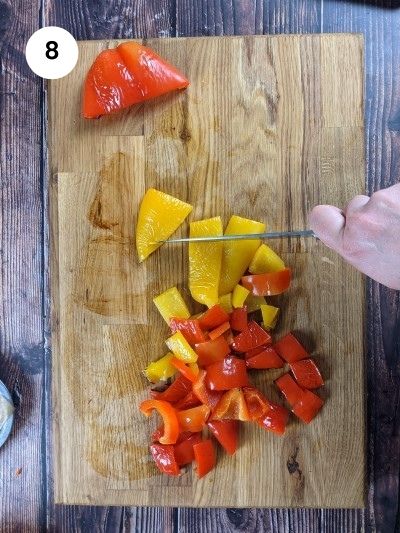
[244, 237]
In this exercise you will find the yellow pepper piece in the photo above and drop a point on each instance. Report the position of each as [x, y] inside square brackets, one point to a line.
[236, 255]
[180, 347]
[266, 260]
[159, 216]
[254, 303]
[269, 315]
[194, 367]
[239, 295]
[205, 261]
[161, 369]
[225, 302]
[171, 305]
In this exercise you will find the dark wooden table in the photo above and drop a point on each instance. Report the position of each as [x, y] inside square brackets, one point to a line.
[25, 362]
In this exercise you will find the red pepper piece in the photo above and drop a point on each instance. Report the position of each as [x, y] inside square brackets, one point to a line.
[190, 400]
[211, 351]
[226, 433]
[268, 284]
[203, 393]
[257, 403]
[190, 329]
[232, 405]
[175, 392]
[290, 349]
[164, 458]
[227, 374]
[308, 406]
[169, 416]
[252, 337]
[213, 317]
[239, 319]
[205, 456]
[184, 369]
[218, 331]
[193, 419]
[275, 419]
[289, 388]
[184, 453]
[307, 374]
[267, 358]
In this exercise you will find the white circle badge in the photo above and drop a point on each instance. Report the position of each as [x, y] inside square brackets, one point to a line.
[51, 52]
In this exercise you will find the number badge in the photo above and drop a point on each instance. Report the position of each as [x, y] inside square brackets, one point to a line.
[51, 52]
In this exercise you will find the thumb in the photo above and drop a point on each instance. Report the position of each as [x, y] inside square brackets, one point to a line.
[328, 223]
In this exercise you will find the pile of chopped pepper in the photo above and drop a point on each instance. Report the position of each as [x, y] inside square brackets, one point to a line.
[212, 354]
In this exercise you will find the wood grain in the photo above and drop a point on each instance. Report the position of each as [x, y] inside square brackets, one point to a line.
[273, 122]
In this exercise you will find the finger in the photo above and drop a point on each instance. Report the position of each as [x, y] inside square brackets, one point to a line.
[328, 223]
[356, 203]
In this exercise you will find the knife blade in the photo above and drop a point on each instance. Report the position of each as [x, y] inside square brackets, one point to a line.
[244, 237]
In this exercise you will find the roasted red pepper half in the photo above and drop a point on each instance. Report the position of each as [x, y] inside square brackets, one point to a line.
[257, 403]
[290, 349]
[252, 337]
[205, 456]
[227, 374]
[127, 75]
[184, 453]
[164, 458]
[213, 317]
[307, 374]
[203, 393]
[219, 330]
[308, 406]
[289, 388]
[175, 392]
[239, 319]
[268, 284]
[274, 419]
[184, 369]
[232, 405]
[212, 351]
[226, 433]
[190, 400]
[266, 358]
[190, 329]
[169, 416]
[193, 419]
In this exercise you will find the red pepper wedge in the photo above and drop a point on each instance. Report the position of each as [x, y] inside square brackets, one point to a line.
[252, 337]
[290, 349]
[219, 330]
[193, 419]
[213, 317]
[127, 75]
[169, 416]
[307, 374]
[203, 393]
[308, 406]
[227, 374]
[289, 388]
[190, 329]
[257, 403]
[205, 457]
[212, 351]
[190, 400]
[232, 405]
[274, 419]
[184, 453]
[239, 319]
[175, 392]
[226, 433]
[269, 284]
[267, 358]
[184, 369]
[164, 458]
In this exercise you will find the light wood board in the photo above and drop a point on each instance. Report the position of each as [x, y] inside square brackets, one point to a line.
[269, 127]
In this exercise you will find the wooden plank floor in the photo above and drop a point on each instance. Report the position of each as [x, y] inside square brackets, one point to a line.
[26, 496]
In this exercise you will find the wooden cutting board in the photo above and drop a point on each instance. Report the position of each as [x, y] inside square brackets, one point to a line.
[269, 127]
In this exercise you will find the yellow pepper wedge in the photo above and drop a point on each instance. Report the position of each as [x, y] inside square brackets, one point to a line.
[266, 260]
[269, 315]
[205, 261]
[159, 216]
[180, 347]
[236, 255]
[225, 302]
[239, 295]
[160, 370]
[171, 305]
[254, 303]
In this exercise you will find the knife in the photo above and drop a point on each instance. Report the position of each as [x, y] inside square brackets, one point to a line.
[244, 237]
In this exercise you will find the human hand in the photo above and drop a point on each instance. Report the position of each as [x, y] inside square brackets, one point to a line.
[366, 233]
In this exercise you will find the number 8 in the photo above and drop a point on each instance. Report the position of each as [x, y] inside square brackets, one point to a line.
[51, 47]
